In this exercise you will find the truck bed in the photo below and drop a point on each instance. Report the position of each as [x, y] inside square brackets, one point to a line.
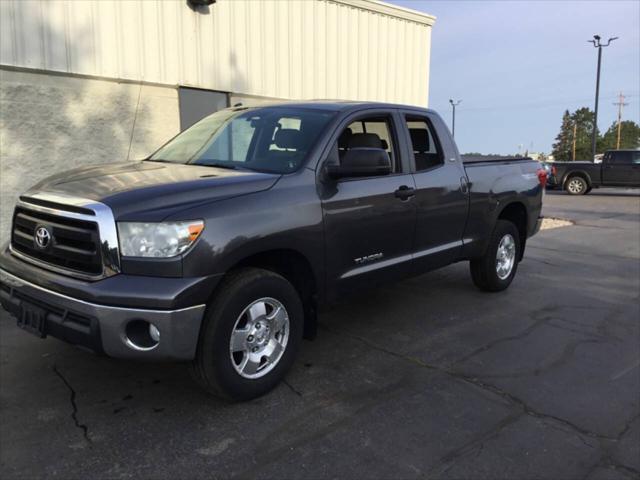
[494, 161]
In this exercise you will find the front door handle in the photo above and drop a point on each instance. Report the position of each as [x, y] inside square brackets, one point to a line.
[464, 185]
[404, 192]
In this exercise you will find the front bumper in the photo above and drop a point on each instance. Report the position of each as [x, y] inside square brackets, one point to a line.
[103, 328]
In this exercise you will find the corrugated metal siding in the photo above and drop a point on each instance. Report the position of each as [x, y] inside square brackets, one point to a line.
[295, 49]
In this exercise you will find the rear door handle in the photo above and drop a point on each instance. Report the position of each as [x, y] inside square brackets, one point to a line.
[404, 192]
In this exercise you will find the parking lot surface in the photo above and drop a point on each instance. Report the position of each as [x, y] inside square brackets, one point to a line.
[428, 378]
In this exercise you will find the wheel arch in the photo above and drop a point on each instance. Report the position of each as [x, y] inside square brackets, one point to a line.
[297, 269]
[577, 173]
[516, 213]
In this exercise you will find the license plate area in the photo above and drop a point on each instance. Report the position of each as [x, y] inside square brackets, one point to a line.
[33, 319]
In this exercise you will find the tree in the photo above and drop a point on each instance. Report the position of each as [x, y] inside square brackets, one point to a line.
[629, 136]
[582, 120]
[562, 146]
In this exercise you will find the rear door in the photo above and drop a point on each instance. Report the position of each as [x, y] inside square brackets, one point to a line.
[441, 200]
[368, 225]
[619, 169]
[635, 169]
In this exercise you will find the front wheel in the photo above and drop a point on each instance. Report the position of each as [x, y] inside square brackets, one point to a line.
[250, 335]
[494, 271]
[577, 186]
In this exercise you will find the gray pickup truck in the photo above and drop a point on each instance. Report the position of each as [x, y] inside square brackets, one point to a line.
[220, 247]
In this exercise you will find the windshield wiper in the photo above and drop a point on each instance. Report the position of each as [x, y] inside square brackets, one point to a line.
[226, 165]
[221, 165]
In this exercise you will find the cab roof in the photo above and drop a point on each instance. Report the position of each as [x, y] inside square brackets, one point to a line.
[331, 105]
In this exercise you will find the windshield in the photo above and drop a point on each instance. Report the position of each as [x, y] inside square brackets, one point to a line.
[269, 139]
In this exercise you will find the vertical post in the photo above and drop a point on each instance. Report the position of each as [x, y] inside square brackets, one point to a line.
[620, 103]
[597, 44]
[619, 122]
[453, 122]
[453, 116]
[575, 132]
[595, 114]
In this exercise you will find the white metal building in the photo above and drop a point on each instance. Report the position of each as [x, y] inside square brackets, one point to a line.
[97, 81]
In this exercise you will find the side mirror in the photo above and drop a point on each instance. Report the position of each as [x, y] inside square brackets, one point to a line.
[361, 162]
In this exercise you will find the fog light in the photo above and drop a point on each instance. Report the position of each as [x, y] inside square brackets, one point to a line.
[154, 333]
[142, 335]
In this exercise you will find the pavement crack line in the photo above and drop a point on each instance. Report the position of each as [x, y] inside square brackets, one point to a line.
[624, 468]
[533, 326]
[74, 406]
[291, 387]
[475, 446]
[512, 399]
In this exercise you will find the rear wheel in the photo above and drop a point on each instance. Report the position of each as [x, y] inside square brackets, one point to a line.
[250, 336]
[494, 271]
[577, 186]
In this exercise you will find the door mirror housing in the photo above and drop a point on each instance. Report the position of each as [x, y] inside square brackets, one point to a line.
[361, 162]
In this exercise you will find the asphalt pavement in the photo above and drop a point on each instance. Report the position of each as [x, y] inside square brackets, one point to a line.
[427, 378]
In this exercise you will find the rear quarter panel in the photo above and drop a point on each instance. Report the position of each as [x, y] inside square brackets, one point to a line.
[494, 186]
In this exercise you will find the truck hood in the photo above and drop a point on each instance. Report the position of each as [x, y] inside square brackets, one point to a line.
[150, 191]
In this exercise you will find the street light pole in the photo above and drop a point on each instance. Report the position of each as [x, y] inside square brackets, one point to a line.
[598, 45]
[453, 115]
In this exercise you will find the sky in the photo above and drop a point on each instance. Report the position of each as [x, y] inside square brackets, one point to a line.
[518, 65]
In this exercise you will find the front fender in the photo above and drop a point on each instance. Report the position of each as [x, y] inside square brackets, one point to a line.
[286, 217]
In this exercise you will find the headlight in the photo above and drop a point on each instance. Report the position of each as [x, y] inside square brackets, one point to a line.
[159, 240]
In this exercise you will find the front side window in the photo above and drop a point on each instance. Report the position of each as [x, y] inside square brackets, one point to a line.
[369, 132]
[425, 149]
[268, 139]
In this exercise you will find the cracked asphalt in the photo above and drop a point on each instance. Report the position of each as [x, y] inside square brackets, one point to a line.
[428, 378]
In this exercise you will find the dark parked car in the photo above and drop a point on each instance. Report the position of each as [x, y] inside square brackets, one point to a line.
[619, 168]
[220, 247]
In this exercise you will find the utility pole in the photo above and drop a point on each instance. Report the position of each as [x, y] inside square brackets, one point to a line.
[453, 119]
[620, 103]
[598, 45]
[575, 132]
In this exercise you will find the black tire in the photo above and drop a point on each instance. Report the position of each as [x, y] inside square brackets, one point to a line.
[588, 190]
[576, 185]
[213, 367]
[484, 269]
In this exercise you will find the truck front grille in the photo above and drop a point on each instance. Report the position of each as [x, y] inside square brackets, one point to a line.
[71, 244]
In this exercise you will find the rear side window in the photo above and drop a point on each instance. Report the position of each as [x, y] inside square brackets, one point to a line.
[426, 150]
[636, 158]
[371, 132]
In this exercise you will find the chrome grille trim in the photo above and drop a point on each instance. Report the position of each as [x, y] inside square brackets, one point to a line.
[107, 231]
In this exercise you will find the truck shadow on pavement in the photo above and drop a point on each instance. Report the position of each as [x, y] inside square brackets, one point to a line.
[426, 377]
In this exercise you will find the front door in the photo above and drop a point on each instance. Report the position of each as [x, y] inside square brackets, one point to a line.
[368, 222]
[621, 168]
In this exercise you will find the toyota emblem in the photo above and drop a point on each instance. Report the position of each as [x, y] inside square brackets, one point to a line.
[42, 237]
